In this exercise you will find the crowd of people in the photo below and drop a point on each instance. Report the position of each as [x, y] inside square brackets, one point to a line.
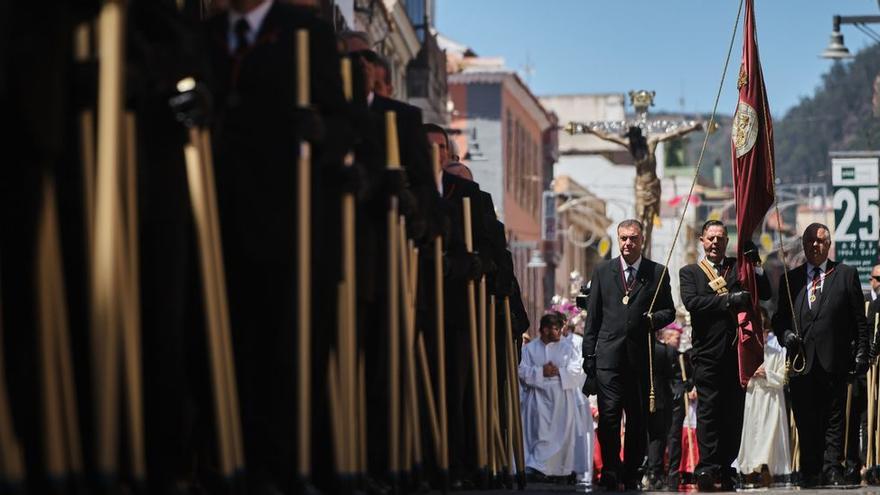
[182, 325]
[282, 108]
[800, 418]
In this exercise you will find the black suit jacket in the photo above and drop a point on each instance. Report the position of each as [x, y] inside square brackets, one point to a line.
[455, 189]
[714, 324]
[616, 333]
[256, 127]
[414, 157]
[835, 326]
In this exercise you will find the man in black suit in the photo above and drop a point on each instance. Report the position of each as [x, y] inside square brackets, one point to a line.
[713, 305]
[826, 325]
[619, 327]
[253, 56]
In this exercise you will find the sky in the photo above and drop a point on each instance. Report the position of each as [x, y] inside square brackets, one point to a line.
[674, 47]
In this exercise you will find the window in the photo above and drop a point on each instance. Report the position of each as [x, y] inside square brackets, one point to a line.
[508, 158]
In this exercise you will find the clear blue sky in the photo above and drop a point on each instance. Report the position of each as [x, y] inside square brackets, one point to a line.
[675, 47]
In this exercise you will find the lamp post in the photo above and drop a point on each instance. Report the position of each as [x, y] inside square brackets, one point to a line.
[837, 50]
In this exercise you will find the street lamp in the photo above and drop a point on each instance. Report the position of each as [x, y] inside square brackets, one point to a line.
[537, 260]
[836, 49]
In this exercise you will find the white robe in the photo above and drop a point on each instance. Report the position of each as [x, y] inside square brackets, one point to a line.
[556, 435]
[584, 446]
[765, 422]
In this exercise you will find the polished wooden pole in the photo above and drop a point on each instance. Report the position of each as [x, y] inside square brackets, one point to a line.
[105, 291]
[513, 385]
[304, 269]
[476, 365]
[393, 265]
[440, 338]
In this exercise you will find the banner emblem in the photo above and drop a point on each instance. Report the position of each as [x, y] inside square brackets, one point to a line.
[745, 128]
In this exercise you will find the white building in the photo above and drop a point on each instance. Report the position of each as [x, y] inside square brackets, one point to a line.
[606, 169]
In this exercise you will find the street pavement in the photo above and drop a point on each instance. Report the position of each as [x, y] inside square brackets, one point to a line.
[551, 489]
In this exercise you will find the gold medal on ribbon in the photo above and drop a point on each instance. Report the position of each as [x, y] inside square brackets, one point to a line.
[625, 300]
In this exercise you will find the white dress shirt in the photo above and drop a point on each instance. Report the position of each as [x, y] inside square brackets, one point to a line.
[635, 266]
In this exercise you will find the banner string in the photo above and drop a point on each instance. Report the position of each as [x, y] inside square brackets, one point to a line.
[709, 127]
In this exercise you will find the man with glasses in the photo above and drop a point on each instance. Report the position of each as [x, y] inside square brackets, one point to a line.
[828, 317]
[619, 327]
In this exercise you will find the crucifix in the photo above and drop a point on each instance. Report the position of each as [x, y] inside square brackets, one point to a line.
[641, 138]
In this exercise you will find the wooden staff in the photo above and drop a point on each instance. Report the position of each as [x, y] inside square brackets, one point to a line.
[362, 414]
[411, 352]
[492, 381]
[407, 293]
[195, 170]
[129, 282]
[687, 400]
[304, 269]
[440, 323]
[53, 441]
[12, 470]
[225, 333]
[348, 338]
[475, 349]
[869, 461]
[82, 53]
[484, 389]
[498, 439]
[393, 156]
[509, 421]
[873, 431]
[72, 441]
[849, 391]
[795, 445]
[335, 409]
[513, 386]
[340, 456]
[872, 396]
[429, 395]
[105, 293]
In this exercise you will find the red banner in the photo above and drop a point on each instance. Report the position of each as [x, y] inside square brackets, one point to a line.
[752, 148]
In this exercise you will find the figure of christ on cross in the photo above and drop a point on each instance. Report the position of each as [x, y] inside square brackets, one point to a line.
[647, 184]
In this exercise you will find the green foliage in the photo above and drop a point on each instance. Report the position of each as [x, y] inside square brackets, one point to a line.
[838, 117]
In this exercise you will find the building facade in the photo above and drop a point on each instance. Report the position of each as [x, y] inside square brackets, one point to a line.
[504, 140]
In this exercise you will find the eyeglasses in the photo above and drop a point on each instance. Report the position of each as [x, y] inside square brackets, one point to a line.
[876, 277]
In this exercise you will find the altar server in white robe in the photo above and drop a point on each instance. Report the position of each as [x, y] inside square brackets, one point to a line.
[765, 436]
[584, 450]
[556, 434]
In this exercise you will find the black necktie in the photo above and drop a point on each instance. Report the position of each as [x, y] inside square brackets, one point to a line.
[629, 277]
[241, 31]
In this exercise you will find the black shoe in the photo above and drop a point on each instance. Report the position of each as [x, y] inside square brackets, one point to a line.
[834, 478]
[655, 482]
[672, 482]
[809, 480]
[461, 484]
[705, 481]
[609, 482]
[853, 476]
[729, 483]
[632, 486]
[372, 486]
